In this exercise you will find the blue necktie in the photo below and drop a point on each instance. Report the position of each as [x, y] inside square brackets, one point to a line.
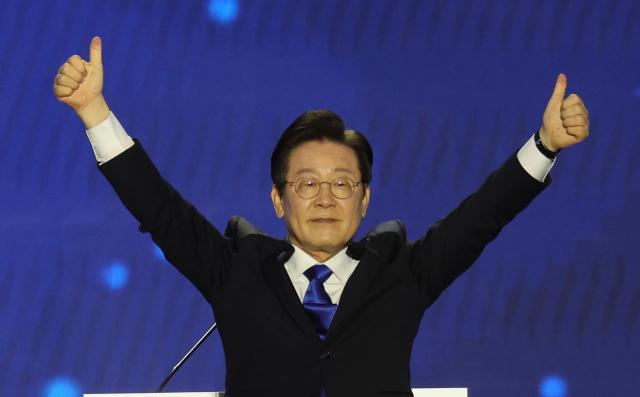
[316, 301]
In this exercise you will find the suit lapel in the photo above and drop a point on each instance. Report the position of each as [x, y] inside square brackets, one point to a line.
[278, 279]
[355, 291]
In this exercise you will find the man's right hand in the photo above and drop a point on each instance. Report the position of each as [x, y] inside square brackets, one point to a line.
[79, 85]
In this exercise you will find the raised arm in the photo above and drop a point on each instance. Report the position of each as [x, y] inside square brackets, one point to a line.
[453, 243]
[187, 239]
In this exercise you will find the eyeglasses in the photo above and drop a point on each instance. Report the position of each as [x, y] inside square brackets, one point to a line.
[308, 187]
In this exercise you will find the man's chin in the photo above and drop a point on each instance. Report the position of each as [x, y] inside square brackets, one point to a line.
[329, 246]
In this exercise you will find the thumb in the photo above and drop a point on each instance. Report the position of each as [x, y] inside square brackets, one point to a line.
[95, 52]
[559, 90]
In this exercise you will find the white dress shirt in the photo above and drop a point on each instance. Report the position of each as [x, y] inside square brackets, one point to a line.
[341, 264]
[109, 139]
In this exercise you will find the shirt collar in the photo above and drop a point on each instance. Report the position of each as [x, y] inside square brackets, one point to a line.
[341, 264]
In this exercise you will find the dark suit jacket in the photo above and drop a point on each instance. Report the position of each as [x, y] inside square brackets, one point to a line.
[270, 345]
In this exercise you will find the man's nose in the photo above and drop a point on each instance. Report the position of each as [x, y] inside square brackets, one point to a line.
[325, 197]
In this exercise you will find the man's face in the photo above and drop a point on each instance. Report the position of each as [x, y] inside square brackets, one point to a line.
[324, 224]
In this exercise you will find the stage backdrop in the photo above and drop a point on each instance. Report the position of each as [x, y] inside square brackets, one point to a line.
[445, 90]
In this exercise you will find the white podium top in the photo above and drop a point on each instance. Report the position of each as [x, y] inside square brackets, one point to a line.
[448, 392]
[457, 392]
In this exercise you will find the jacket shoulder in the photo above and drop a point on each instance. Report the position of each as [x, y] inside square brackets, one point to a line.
[393, 227]
[239, 228]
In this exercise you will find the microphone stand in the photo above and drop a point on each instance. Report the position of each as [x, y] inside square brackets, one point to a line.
[193, 349]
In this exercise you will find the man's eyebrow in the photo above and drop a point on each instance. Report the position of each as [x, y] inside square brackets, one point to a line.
[312, 170]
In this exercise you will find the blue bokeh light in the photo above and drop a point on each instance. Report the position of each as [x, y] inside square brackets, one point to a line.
[223, 11]
[157, 252]
[553, 386]
[115, 276]
[61, 386]
[637, 92]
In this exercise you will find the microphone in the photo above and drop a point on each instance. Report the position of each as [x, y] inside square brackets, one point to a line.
[193, 349]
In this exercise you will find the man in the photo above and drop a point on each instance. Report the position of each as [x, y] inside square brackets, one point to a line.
[318, 313]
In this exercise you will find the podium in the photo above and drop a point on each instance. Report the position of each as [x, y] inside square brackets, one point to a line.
[455, 392]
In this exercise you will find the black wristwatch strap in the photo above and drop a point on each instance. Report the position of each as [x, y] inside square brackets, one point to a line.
[548, 153]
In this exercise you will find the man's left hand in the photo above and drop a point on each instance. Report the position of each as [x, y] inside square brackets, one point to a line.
[565, 120]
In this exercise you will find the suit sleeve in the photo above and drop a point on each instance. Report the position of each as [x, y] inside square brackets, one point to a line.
[194, 246]
[454, 242]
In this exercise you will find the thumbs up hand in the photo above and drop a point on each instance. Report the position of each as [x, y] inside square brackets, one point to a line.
[565, 120]
[79, 85]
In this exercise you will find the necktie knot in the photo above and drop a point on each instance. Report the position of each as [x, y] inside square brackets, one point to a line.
[318, 272]
[316, 301]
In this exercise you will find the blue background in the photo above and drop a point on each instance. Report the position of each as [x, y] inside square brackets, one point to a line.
[445, 90]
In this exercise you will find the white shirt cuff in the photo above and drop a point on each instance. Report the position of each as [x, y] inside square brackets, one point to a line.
[533, 161]
[108, 139]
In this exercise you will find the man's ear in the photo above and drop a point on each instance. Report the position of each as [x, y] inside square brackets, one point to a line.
[277, 202]
[365, 200]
